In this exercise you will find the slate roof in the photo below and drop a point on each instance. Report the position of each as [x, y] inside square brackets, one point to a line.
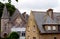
[16, 14]
[41, 18]
[5, 15]
[48, 20]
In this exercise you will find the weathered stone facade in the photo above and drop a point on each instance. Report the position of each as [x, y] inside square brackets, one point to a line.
[49, 36]
[32, 30]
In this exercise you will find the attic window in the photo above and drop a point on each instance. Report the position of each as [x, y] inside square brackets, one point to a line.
[58, 27]
[54, 27]
[49, 27]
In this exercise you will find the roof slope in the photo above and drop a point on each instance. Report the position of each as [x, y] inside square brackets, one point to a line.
[42, 18]
[16, 14]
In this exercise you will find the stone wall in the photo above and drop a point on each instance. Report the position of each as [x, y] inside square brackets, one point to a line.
[32, 31]
[49, 36]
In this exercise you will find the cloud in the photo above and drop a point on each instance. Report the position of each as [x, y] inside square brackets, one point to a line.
[38, 4]
[27, 5]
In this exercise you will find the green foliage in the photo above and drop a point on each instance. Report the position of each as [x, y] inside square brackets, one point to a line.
[14, 35]
[17, 0]
[10, 8]
[9, 1]
[1, 8]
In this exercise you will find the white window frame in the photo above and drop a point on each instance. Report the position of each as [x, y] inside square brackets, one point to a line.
[49, 27]
[53, 27]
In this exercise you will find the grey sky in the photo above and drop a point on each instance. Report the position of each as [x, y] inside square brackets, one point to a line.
[43, 5]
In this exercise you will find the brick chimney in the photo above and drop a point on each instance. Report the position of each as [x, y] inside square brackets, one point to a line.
[50, 13]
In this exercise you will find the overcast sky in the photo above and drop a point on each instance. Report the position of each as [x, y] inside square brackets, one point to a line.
[38, 5]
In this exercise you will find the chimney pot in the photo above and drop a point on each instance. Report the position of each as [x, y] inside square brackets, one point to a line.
[50, 13]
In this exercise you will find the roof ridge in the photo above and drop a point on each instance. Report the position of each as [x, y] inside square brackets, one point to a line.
[45, 12]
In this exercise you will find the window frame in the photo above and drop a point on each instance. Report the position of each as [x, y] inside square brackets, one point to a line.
[49, 27]
[58, 27]
[54, 28]
[23, 34]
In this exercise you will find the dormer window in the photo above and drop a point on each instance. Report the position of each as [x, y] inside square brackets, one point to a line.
[58, 27]
[49, 27]
[53, 27]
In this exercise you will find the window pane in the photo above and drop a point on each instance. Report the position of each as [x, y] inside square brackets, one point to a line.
[23, 33]
[18, 32]
[54, 27]
[59, 27]
[49, 27]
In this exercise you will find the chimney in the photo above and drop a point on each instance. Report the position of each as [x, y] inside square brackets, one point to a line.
[50, 13]
[24, 14]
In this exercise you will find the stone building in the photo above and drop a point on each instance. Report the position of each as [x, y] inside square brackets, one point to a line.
[43, 25]
[16, 23]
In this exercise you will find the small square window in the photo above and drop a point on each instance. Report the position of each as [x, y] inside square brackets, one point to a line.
[49, 27]
[23, 33]
[58, 27]
[54, 27]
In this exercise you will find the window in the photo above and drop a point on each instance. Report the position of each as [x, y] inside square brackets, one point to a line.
[54, 37]
[23, 33]
[49, 27]
[54, 27]
[34, 37]
[58, 27]
[18, 32]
